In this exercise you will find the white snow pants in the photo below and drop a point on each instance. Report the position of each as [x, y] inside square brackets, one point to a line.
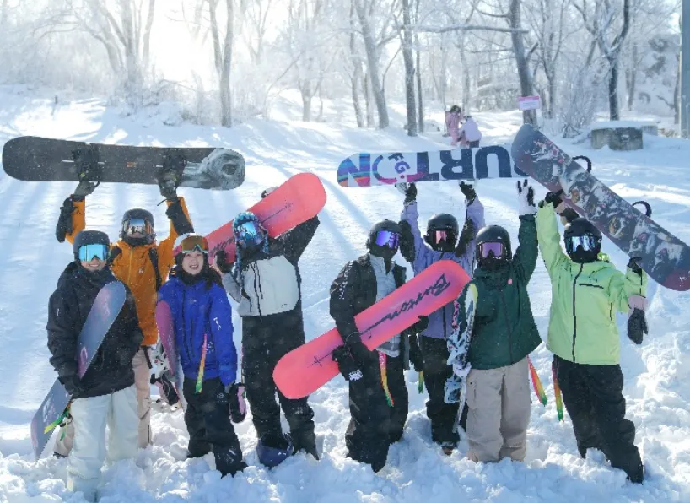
[89, 418]
[63, 445]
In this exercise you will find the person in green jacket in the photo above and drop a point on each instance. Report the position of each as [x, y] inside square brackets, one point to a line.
[583, 336]
[503, 333]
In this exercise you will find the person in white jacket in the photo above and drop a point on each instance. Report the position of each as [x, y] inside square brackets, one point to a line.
[470, 132]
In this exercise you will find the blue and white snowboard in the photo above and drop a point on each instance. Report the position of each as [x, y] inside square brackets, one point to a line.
[107, 305]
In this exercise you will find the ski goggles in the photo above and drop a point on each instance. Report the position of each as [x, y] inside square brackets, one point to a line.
[87, 252]
[138, 227]
[386, 238]
[194, 243]
[587, 242]
[496, 248]
[248, 233]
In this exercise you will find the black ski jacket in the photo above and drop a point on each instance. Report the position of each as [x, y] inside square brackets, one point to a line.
[68, 308]
[355, 290]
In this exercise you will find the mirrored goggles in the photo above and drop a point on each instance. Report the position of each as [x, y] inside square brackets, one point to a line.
[194, 243]
[386, 238]
[248, 232]
[87, 252]
[587, 242]
[496, 248]
[138, 227]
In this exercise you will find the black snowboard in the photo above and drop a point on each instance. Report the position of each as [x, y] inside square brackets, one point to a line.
[664, 257]
[49, 159]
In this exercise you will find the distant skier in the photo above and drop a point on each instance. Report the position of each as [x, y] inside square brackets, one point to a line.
[583, 336]
[105, 395]
[378, 399]
[504, 333]
[452, 120]
[265, 281]
[469, 134]
[442, 241]
[203, 326]
[137, 261]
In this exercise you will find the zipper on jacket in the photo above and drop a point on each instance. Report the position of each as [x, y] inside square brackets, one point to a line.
[574, 312]
[188, 342]
[129, 269]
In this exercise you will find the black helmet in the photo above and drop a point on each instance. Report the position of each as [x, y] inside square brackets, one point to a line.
[442, 222]
[140, 222]
[582, 240]
[89, 237]
[386, 249]
[493, 259]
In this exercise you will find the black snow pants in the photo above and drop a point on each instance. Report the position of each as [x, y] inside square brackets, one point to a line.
[593, 398]
[442, 416]
[375, 425]
[207, 418]
[265, 340]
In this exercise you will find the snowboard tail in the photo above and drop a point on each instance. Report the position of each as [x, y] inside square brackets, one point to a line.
[106, 308]
[298, 199]
[50, 159]
[663, 256]
[308, 367]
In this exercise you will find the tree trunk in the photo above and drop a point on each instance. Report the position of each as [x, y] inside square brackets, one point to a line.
[369, 110]
[147, 34]
[419, 80]
[225, 81]
[307, 103]
[631, 77]
[407, 52]
[676, 93]
[613, 91]
[373, 66]
[525, 81]
[551, 96]
[355, 85]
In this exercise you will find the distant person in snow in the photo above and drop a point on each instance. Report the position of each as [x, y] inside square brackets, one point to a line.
[377, 395]
[106, 394]
[469, 134]
[265, 281]
[504, 333]
[137, 261]
[452, 121]
[583, 336]
[203, 326]
[429, 352]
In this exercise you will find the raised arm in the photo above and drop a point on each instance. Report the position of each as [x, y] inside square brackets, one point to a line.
[341, 301]
[297, 239]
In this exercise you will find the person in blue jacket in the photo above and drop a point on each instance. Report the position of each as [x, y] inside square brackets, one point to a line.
[203, 327]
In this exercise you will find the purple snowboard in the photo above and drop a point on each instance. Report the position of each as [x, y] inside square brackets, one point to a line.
[164, 322]
[103, 313]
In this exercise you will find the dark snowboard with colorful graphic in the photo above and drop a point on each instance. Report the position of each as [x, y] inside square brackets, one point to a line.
[49, 159]
[366, 170]
[107, 305]
[663, 256]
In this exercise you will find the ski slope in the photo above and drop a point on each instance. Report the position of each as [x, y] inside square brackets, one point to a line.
[657, 373]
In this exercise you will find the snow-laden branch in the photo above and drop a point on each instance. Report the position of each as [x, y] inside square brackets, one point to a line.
[462, 27]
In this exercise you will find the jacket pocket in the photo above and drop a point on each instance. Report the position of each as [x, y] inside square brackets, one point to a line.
[590, 285]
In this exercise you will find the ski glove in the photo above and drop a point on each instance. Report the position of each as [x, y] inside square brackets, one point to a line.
[181, 224]
[84, 189]
[222, 262]
[408, 250]
[415, 356]
[421, 325]
[168, 175]
[64, 226]
[468, 191]
[468, 233]
[410, 190]
[633, 264]
[71, 384]
[525, 195]
[166, 388]
[236, 402]
[347, 364]
[554, 198]
[637, 326]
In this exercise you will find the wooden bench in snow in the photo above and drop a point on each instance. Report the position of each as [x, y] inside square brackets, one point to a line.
[621, 135]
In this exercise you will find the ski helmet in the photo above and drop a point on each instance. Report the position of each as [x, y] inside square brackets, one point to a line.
[89, 237]
[443, 230]
[137, 227]
[273, 449]
[250, 235]
[582, 240]
[493, 247]
[383, 239]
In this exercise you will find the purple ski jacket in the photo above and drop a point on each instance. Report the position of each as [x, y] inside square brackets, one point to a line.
[440, 321]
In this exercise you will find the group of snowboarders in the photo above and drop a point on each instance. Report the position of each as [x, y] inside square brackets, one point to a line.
[462, 129]
[484, 350]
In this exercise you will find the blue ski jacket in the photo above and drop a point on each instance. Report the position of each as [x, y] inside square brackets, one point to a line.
[200, 310]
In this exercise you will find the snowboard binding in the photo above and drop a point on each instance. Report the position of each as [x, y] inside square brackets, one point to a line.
[170, 174]
[89, 169]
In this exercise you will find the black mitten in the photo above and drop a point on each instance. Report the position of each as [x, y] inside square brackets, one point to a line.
[411, 193]
[406, 246]
[64, 226]
[348, 367]
[222, 262]
[468, 191]
[166, 388]
[637, 326]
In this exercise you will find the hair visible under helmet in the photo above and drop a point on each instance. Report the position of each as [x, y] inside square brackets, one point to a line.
[582, 241]
[442, 234]
[493, 247]
[89, 237]
[383, 239]
[137, 227]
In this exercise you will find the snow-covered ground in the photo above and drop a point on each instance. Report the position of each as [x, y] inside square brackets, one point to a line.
[657, 373]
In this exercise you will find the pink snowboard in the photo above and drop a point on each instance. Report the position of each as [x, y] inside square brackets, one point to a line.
[298, 199]
[308, 367]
